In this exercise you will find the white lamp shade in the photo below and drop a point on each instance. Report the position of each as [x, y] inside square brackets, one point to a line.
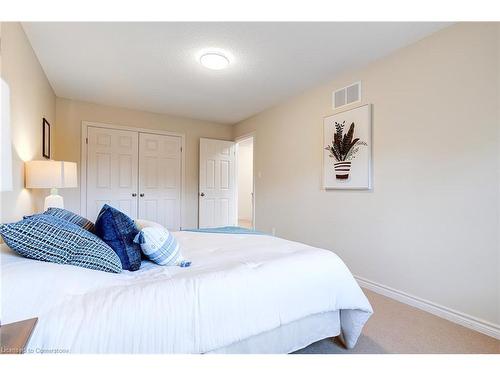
[44, 174]
[5, 140]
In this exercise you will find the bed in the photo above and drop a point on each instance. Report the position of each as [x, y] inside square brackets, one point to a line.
[244, 293]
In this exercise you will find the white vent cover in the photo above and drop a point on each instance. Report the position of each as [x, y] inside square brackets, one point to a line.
[347, 95]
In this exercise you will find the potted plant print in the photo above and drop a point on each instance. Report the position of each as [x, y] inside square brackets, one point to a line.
[344, 149]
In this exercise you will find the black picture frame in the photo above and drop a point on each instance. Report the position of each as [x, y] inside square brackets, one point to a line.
[46, 139]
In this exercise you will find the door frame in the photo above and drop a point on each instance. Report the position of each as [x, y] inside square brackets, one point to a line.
[83, 159]
[237, 140]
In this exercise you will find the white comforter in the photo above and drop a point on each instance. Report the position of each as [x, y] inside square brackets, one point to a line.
[238, 286]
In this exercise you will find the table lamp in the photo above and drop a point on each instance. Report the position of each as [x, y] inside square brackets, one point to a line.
[51, 174]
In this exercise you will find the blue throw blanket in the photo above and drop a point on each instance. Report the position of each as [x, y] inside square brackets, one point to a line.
[226, 230]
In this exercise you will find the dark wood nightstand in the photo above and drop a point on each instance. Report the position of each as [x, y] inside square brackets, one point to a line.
[15, 336]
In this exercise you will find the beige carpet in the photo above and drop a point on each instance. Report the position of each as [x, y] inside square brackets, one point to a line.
[398, 328]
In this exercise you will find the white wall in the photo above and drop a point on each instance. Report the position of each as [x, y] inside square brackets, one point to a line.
[71, 113]
[245, 179]
[430, 226]
[31, 99]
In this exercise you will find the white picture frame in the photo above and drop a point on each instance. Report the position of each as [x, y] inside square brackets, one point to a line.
[347, 164]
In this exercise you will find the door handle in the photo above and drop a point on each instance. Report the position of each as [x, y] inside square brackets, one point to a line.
[141, 195]
[134, 194]
[202, 194]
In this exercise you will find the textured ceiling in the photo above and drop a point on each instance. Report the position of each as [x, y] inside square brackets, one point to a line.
[154, 66]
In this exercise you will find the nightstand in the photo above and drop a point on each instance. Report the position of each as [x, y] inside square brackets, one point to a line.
[15, 336]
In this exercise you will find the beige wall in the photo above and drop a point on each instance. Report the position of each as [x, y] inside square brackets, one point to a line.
[31, 99]
[430, 225]
[71, 113]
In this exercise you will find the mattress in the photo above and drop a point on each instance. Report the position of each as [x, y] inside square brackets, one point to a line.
[287, 338]
[238, 287]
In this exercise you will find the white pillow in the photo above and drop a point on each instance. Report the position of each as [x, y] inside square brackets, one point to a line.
[160, 246]
[141, 224]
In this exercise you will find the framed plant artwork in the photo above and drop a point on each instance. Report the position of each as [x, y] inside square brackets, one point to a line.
[347, 149]
[45, 139]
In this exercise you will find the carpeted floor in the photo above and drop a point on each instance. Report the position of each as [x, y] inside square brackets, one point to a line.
[398, 328]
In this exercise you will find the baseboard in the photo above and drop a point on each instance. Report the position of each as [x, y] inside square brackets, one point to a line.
[454, 316]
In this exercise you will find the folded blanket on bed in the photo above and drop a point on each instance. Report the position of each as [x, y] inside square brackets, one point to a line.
[226, 230]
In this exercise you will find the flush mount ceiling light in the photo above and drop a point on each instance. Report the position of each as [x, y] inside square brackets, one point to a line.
[214, 60]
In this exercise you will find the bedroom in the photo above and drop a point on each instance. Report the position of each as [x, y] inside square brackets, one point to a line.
[201, 179]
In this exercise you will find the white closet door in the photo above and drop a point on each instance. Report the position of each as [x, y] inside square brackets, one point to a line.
[160, 179]
[217, 201]
[112, 159]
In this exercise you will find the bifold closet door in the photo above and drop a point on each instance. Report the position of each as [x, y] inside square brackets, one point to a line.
[112, 170]
[160, 179]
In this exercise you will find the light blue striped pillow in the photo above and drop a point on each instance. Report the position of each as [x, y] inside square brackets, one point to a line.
[161, 247]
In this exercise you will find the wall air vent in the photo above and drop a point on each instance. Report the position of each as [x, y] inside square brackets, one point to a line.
[346, 95]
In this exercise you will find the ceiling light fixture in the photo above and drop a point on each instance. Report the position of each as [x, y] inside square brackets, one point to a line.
[214, 60]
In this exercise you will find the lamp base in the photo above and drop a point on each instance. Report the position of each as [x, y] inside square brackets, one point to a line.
[53, 200]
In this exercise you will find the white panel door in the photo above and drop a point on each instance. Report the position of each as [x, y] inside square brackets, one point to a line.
[160, 179]
[217, 200]
[112, 158]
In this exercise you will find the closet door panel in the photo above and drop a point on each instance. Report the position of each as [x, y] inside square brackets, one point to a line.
[112, 170]
[160, 179]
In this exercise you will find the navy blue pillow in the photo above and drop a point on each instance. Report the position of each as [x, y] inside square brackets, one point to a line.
[118, 231]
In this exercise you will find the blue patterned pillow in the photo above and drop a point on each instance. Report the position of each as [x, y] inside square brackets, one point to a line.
[71, 217]
[118, 231]
[51, 239]
[161, 247]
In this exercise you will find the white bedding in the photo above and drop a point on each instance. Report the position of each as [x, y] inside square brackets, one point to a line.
[239, 285]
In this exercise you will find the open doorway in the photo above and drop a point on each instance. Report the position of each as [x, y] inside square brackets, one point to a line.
[245, 182]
